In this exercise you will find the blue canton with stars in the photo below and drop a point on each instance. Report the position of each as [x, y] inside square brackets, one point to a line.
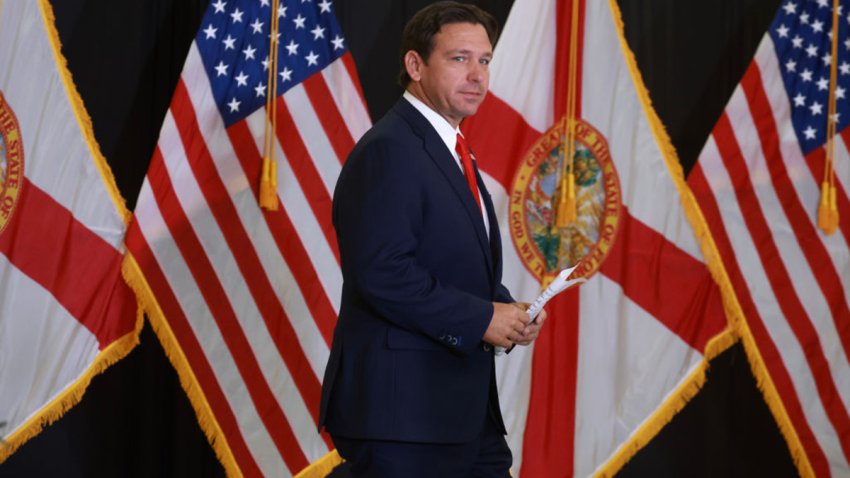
[802, 35]
[234, 45]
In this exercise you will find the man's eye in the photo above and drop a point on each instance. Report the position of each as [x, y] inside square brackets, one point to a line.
[485, 61]
[459, 58]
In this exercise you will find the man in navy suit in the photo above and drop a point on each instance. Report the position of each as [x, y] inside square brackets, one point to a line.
[410, 387]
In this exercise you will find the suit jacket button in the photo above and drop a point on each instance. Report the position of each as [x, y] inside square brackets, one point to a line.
[486, 347]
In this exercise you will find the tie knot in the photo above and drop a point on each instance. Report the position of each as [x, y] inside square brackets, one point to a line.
[460, 146]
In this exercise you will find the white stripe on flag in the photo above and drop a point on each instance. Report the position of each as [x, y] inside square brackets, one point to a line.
[347, 99]
[309, 128]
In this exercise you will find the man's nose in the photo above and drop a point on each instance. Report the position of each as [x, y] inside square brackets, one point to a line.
[477, 72]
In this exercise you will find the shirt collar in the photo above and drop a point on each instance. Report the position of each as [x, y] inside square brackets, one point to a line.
[444, 129]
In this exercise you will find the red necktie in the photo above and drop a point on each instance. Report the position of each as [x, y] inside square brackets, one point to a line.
[468, 170]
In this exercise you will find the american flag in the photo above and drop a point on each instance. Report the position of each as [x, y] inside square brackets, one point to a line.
[245, 300]
[758, 182]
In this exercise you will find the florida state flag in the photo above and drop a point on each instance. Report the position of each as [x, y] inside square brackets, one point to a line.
[65, 311]
[582, 172]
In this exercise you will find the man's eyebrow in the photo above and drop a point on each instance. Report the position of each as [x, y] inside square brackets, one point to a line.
[465, 51]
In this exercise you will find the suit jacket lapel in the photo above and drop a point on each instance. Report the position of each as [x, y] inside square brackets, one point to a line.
[444, 160]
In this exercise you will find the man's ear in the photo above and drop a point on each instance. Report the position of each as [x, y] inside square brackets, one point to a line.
[413, 64]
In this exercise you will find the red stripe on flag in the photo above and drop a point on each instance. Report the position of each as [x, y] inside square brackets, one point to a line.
[800, 219]
[243, 250]
[305, 171]
[81, 270]
[286, 237]
[770, 354]
[215, 297]
[187, 341]
[329, 116]
[499, 145]
[548, 443]
[780, 279]
[653, 272]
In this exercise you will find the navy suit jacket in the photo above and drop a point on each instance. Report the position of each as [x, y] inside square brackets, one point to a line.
[420, 275]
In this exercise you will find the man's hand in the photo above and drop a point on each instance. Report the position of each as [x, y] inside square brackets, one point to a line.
[507, 325]
[531, 331]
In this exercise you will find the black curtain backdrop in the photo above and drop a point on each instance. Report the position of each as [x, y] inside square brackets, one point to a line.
[126, 56]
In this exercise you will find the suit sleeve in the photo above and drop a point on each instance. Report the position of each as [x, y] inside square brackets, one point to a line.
[378, 216]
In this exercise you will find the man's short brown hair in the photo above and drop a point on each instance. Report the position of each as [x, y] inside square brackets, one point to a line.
[419, 32]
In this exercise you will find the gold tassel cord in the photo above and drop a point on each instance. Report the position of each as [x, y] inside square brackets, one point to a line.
[567, 209]
[268, 178]
[828, 207]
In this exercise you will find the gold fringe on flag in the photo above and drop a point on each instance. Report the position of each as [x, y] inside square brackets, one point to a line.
[268, 178]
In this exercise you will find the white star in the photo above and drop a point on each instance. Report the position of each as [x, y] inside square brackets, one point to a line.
[839, 93]
[791, 65]
[292, 48]
[823, 84]
[221, 69]
[286, 74]
[299, 21]
[260, 89]
[325, 6]
[337, 41]
[265, 63]
[804, 18]
[797, 41]
[281, 11]
[847, 43]
[312, 58]
[257, 26]
[249, 52]
[834, 117]
[826, 59]
[817, 26]
[264, 3]
[234, 105]
[806, 75]
[823, 3]
[219, 6]
[229, 43]
[318, 32]
[241, 79]
[799, 100]
[210, 31]
[810, 133]
[811, 50]
[816, 108]
[790, 8]
[237, 15]
[782, 31]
